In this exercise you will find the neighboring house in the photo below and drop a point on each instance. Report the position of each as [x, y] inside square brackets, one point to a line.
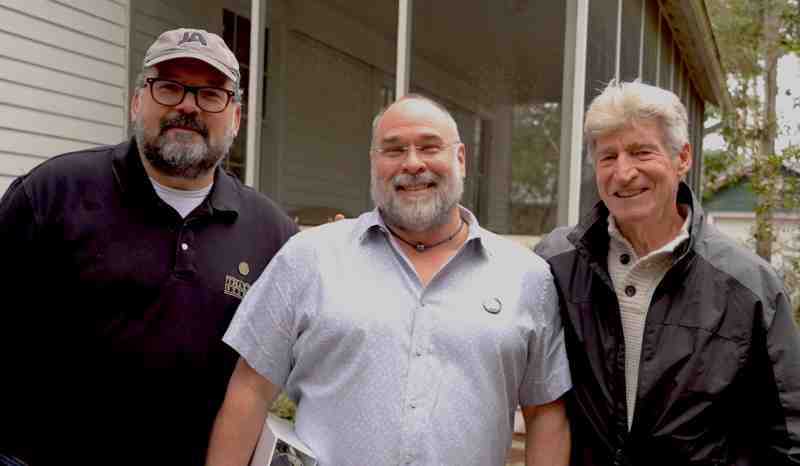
[731, 207]
[516, 74]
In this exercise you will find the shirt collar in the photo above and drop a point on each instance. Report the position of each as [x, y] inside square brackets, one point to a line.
[224, 199]
[372, 221]
[616, 235]
[590, 235]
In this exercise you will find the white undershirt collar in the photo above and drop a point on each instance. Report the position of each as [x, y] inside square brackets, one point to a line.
[183, 201]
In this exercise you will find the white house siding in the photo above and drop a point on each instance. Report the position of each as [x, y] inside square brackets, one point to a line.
[63, 79]
[740, 226]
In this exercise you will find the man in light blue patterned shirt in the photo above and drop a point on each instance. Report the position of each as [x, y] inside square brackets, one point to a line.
[408, 335]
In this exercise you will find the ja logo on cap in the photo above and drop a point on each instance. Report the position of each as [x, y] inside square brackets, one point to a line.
[193, 37]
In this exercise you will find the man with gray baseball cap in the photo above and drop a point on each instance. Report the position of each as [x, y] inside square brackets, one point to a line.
[127, 263]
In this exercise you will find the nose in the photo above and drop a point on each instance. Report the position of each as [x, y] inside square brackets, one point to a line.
[625, 170]
[188, 104]
[412, 164]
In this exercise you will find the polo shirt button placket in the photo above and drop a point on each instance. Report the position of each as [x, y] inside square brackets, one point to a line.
[618, 457]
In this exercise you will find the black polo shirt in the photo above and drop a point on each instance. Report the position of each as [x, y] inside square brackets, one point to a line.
[114, 309]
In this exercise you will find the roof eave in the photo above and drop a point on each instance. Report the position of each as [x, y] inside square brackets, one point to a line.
[693, 32]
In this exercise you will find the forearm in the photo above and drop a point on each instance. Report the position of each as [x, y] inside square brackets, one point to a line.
[241, 418]
[235, 434]
[547, 435]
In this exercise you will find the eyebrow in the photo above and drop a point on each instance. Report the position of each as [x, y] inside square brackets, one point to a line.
[629, 148]
[423, 138]
[636, 145]
[606, 151]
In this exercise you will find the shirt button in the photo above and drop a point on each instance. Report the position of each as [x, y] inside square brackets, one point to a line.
[625, 258]
[184, 246]
[413, 406]
[630, 291]
[418, 353]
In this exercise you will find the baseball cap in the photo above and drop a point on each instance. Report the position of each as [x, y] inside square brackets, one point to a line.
[197, 44]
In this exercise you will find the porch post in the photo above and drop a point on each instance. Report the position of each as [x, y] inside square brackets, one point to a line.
[255, 92]
[569, 173]
[403, 76]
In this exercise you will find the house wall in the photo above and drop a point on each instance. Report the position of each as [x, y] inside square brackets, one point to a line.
[66, 71]
[740, 225]
[63, 79]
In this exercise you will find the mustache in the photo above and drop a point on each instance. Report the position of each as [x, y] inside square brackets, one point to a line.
[404, 179]
[184, 121]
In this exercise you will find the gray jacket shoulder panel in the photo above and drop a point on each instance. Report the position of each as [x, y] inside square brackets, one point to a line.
[555, 243]
[748, 269]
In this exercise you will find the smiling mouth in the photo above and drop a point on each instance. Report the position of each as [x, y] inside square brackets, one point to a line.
[417, 187]
[629, 194]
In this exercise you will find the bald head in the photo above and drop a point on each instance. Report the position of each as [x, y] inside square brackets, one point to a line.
[415, 109]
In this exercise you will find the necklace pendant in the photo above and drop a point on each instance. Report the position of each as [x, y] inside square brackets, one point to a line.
[420, 247]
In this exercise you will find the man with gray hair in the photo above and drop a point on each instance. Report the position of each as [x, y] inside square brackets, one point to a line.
[124, 265]
[408, 335]
[681, 342]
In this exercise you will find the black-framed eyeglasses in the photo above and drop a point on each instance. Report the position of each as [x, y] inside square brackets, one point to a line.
[171, 93]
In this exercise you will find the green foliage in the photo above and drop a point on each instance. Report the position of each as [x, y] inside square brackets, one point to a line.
[720, 168]
[535, 149]
[535, 164]
[752, 35]
[283, 407]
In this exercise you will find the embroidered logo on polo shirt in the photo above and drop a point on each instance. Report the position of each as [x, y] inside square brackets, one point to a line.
[235, 287]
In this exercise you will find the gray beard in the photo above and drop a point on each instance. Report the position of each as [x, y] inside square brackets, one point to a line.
[182, 158]
[422, 215]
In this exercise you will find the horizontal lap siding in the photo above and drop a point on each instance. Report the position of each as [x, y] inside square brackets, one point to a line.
[63, 79]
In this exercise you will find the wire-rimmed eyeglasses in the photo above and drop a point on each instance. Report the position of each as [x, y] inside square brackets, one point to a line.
[171, 93]
[426, 149]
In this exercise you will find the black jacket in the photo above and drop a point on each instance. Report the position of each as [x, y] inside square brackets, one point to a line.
[719, 377]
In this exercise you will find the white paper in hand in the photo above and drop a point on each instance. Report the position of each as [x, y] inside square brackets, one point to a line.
[280, 446]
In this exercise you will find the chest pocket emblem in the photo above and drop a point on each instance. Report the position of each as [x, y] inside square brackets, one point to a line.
[235, 287]
[492, 305]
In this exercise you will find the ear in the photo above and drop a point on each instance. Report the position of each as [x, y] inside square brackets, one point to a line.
[237, 119]
[136, 104]
[462, 159]
[684, 160]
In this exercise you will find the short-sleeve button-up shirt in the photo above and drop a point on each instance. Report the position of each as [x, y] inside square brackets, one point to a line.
[387, 371]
